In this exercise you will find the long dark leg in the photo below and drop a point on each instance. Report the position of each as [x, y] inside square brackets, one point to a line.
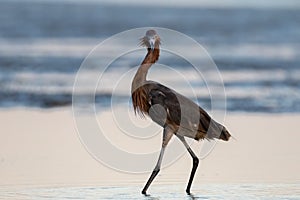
[166, 138]
[195, 164]
[155, 171]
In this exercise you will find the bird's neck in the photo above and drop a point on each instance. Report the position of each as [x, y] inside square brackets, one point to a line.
[141, 74]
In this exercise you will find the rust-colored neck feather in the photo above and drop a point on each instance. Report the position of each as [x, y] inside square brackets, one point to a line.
[140, 101]
[139, 93]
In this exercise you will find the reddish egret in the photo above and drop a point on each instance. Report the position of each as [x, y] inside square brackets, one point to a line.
[177, 114]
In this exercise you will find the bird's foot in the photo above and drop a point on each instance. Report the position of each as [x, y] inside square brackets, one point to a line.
[188, 192]
[145, 193]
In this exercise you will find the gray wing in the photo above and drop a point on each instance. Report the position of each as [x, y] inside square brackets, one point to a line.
[168, 108]
[186, 118]
[165, 107]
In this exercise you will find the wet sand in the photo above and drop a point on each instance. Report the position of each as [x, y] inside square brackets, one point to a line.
[203, 191]
[42, 148]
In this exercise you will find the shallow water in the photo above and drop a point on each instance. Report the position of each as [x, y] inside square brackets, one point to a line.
[208, 191]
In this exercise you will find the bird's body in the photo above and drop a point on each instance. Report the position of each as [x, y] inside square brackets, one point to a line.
[177, 114]
[170, 106]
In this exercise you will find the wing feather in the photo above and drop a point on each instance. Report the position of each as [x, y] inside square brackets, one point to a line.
[169, 108]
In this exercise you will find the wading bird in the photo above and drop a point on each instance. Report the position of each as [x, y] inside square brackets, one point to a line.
[177, 114]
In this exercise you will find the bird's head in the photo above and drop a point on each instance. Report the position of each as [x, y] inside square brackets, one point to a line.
[151, 40]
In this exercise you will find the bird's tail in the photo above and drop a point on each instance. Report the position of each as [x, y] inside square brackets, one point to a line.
[225, 135]
[217, 131]
[213, 129]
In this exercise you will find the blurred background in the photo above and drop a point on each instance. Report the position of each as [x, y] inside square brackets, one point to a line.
[255, 44]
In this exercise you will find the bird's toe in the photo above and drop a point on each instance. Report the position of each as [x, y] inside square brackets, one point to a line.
[145, 193]
[188, 192]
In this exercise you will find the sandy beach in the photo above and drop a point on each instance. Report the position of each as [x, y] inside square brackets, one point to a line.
[42, 148]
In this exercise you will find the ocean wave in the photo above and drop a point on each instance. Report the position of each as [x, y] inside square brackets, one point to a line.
[256, 52]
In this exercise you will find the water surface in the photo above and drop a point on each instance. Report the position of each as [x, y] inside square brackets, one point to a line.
[208, 191]
[42, 45]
